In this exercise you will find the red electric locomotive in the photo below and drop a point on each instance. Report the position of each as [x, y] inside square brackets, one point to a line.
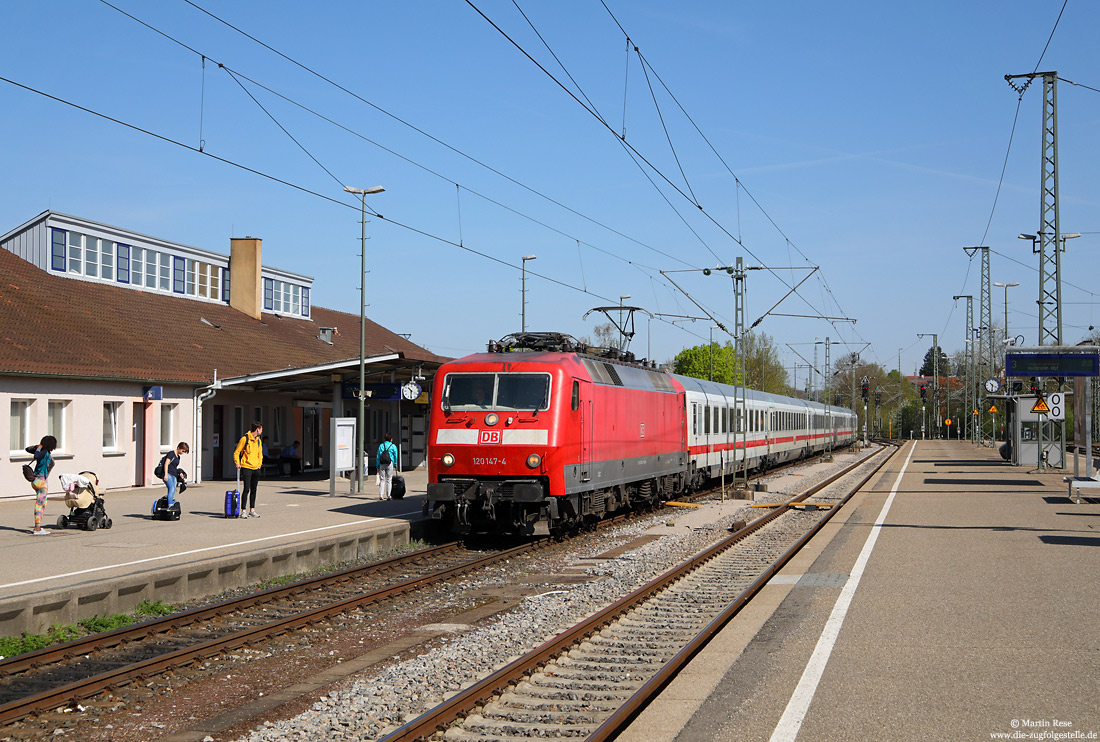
[551, 433]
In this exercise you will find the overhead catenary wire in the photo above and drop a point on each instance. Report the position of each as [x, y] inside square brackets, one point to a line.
[647, 66]
[302, 189]
[1004, 167]
[451, 181]
[634, 155]
[238, 76]
[399, 120]
[819, 313]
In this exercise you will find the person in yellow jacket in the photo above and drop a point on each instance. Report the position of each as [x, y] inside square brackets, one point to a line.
[249, 457]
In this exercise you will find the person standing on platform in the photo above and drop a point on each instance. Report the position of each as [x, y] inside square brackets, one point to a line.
[387, 463]
[171, 471]
[43, 463]
[249, 457]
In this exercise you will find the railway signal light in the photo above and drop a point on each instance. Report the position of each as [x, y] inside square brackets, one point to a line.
[924, 394]
[1034, 385]
[866, 392]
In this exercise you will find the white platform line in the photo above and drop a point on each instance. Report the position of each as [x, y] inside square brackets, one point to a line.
[791, 722]
[179, 554]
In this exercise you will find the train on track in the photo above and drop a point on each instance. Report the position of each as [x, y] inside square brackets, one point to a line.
[544, 428]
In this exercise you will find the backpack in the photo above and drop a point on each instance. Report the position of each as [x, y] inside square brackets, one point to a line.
[158, 472]
[384, 457]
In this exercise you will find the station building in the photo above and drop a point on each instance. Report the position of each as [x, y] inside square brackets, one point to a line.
[121, 345]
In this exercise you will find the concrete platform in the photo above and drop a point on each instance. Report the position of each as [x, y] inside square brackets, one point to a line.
[73, 574]
[954, 598]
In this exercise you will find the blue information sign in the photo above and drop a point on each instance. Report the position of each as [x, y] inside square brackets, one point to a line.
[1052, 364]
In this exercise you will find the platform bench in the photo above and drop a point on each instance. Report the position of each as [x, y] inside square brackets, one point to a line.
[1081, 483]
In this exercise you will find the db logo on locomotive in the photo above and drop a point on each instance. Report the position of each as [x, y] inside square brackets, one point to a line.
[491, 437]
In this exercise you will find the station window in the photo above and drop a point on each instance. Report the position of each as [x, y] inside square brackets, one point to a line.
[165, 271]
[20, 425]
[57, 412]
[57, 249]
[124, 264]
[277, 424]
[167, 424]
[110, 425]
[179, 283]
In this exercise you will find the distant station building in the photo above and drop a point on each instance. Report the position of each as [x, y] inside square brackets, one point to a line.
[121, 345]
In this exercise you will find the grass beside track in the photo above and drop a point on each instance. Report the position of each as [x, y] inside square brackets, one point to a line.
[10, 646]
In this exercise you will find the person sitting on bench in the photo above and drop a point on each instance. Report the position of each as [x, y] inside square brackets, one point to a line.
[292, 457]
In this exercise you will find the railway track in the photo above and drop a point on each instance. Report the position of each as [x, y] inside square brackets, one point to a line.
[67, 673]
[590, 680]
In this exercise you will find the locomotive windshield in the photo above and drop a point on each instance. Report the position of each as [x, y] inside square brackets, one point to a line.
[497, 392]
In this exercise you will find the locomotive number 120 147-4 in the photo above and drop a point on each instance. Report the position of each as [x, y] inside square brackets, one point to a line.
[482, 461]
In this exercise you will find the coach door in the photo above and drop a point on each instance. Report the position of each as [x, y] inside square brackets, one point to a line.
[581, 403]
[769, 434]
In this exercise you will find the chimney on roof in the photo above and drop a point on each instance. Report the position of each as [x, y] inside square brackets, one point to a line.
[245, 287]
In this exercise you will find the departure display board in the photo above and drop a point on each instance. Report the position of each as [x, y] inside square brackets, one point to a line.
[1052, 364]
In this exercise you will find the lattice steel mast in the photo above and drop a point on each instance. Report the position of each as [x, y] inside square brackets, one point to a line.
[1049, 241]
[969, 346]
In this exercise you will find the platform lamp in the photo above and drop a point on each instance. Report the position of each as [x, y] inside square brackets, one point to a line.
[523, 293]
[1006, 287]
[360, 459]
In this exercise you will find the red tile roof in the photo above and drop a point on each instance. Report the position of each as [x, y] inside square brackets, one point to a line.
[57, 326]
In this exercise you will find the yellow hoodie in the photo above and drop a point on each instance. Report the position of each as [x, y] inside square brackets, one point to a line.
[250, 452]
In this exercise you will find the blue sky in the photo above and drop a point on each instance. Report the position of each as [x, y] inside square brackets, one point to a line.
[872, 134]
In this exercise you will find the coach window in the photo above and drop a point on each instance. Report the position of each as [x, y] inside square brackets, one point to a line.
[694, 419]
[706, 419]
[725, 411]
[575, 402]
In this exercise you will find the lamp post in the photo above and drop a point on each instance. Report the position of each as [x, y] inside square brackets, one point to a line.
[624, 296]
[523, 293]
[360, 458]
[935, 377]
[1006, 287]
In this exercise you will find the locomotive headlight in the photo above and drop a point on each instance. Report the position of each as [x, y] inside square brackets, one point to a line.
[448, 460]
[533, 461]
[492, 419]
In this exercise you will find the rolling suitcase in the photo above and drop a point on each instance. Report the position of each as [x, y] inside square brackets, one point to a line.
[161, 511]
[233, 500]
[397, 487]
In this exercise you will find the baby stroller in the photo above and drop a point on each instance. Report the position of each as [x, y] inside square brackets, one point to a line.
[85, 504]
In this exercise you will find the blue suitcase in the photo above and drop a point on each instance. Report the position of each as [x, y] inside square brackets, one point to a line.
[233, 501]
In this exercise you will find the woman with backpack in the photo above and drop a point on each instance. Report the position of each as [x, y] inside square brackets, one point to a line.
[43, 463]
[387, 460]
